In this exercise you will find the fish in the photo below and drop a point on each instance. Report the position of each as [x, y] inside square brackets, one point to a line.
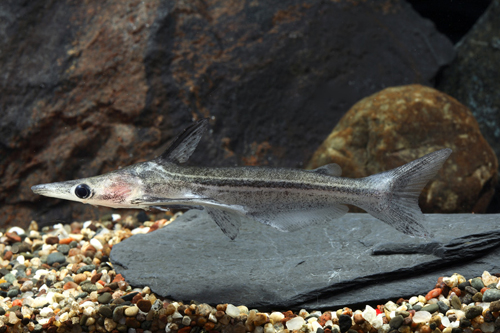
[284, 198]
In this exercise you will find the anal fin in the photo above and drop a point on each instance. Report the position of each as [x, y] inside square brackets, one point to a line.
[295, 219]
[228, 221]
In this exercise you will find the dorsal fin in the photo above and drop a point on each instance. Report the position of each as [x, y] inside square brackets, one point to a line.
[185, 144]
[332, 169]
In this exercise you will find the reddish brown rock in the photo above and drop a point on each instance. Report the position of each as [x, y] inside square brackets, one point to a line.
[112, 82]
[144, 305]
[13, 237]
[400, 124]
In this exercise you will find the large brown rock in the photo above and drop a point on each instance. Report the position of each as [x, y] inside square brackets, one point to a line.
[400, 124]
[87, 87]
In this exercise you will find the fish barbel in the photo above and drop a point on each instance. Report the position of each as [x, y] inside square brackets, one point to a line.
[286, 199]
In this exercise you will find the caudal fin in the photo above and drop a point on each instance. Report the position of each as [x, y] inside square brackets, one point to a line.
[398, 204]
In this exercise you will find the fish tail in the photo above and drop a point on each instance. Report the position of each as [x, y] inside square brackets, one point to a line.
[397, 202]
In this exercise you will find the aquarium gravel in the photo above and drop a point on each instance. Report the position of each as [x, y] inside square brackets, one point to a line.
[60, 279]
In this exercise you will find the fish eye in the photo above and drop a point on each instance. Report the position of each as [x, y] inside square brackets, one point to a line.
[83, 191]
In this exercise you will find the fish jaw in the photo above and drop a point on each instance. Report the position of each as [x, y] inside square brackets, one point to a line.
[59, 190]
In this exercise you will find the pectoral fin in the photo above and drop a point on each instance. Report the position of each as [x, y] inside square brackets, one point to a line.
[292, 220]
[228, 221]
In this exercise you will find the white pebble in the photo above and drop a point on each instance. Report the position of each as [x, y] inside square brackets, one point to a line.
[131, 330]
[258, 329]
[17, 230]
[86, 224]
[116, 217]
[295, 323]
[46, 311]
[315, 325]
[186, 320]
[369, 314]
[445, 321]
[232, 311]
[384, 329]
[137, 231]
[378, 322]
[176, 315]
[276, 317]
[422, 317]
[20, 259]
[13, 318]
[329, 323]
[268, 328]
[212, 318]
[391, 306]
[96, 244]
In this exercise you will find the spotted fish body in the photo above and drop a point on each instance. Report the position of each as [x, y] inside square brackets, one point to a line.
[287, 199]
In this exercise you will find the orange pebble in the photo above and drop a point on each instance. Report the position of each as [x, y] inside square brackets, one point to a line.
[56, 311]
[66, 240]
[17, 302]
[457, 291]
[101, 282]
[433, 293]
[118, 277]
[484, 289]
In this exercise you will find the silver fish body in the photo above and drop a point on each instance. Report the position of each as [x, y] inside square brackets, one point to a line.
[287, 199]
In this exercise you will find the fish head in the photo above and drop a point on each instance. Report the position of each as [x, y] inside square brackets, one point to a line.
[117, 189]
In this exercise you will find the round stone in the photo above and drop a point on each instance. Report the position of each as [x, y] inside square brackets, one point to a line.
[106, 311]
[144, 305]
[295, 323]
[55, 257]
[13, 292]
[473, 312]
[456, 303]
[431, 308]
[491, 295]
[477, 283]
[105, 298]
[345, 323]
[443, 308]
[396, 322]
[63, 248]
[131, 311]
[421, 317]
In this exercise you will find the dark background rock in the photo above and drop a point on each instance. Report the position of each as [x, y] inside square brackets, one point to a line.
[400, 124]
[90, 87]
[318, 267]
[472, 78]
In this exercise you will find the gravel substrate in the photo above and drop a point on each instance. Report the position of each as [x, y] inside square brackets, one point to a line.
[59, 279]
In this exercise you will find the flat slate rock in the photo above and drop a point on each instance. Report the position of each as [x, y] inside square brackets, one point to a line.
[353, 260]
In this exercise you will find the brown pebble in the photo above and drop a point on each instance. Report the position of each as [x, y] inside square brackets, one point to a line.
[96, 277]
[7, 255]
[51, 240]
[46, 266]
[70, 285]
[201, 321]
[144, 305]
[112, 285]
[209, 326]
[79, 278]
[122, 285]
[425, 329]
[132, 322]
[221, 307]
[13, 237]
[260, 319]
[136, 298]
[219, 314]
[358, 318]
[104, 290]
[170, 309]
[74, 251]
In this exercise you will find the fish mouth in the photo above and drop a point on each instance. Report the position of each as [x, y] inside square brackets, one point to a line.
[39, 189]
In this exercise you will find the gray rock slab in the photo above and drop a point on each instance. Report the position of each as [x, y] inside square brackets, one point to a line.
[327, 266]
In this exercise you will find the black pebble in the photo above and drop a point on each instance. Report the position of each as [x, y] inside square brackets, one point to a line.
[345, 323]
[443, 308]
[462, 285]
[142, 216]
[129, 297]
